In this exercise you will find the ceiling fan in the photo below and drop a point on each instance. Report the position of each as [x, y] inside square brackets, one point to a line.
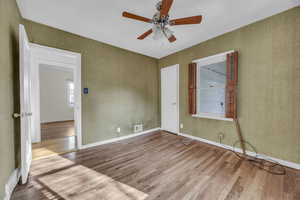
[161, 21]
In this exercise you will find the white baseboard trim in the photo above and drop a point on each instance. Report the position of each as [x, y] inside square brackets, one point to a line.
[250, 153]
[11, 184]
[118, 138]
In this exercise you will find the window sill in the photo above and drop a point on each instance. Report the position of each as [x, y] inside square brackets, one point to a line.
[209, 116]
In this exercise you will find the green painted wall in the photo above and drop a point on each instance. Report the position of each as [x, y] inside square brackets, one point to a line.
[269, 85]
[9, 62]
[123, 86]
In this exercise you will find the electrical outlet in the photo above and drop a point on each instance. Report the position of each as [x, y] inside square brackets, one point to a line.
[181, 125]
[119, 130]
[221, 136]
[137, 128]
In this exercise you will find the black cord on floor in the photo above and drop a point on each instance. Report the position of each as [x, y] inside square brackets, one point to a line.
[270, 166]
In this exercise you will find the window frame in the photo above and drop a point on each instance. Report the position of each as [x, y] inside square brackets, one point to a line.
[221, 57]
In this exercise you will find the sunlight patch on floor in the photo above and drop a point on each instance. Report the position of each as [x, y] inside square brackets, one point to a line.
[45, 165]
[53, 146]
[79, 182]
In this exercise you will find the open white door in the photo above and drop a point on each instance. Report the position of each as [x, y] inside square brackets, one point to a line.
[25, 106]
[170, 99]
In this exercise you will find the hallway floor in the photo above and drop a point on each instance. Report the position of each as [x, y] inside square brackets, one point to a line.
[57, 137]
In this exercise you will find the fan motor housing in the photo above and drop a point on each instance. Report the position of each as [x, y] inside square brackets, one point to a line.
[157, 19]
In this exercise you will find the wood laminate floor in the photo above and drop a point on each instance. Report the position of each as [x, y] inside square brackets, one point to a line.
[55, 130]
[157, 166]
[57, 137]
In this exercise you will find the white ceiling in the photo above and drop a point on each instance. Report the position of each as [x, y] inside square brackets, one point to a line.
[102, 19]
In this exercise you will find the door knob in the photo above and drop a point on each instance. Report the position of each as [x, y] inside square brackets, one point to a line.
[174, 103]
[16, 115]
[26, 114]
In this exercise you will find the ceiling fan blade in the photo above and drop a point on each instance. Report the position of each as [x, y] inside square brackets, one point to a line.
[136, 17]
[144, 35]
[172, 39]
[165, 7]
[186, 20]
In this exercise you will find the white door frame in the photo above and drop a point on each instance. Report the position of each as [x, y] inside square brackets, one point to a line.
[177, 105]
[58, 58]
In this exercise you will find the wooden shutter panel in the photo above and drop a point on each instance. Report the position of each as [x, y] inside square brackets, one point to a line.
[192, 88]
[231, 85]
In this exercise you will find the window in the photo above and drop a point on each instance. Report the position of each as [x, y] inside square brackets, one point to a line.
[70, 93]
[212, 86]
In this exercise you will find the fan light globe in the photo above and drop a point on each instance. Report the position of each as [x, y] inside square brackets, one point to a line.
[158, 34]
[168, 32]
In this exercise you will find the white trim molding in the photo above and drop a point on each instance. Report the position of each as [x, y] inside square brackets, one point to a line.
[118, 138]
[11, 183]
[210, 116]
[213, 59]
[56, 58]
[249, 153]
[221, 57]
